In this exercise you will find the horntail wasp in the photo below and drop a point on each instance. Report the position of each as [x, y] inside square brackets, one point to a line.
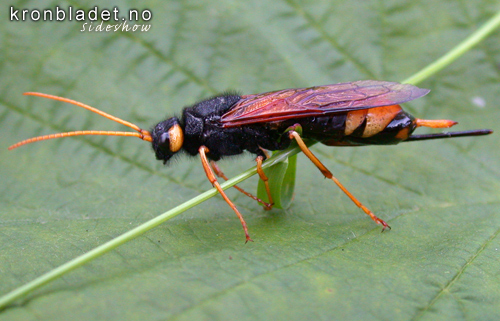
[347, 114]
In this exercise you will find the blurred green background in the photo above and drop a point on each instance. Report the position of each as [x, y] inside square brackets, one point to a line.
[322, 258]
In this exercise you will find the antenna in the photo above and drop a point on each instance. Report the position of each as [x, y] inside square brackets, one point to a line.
[141, 133]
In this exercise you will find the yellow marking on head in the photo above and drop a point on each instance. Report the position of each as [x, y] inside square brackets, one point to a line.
[176, 138]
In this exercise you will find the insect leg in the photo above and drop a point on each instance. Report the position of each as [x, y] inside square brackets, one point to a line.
[221, 174]
[211, 177]
[265, 152]
[264, 178]
[294, 135]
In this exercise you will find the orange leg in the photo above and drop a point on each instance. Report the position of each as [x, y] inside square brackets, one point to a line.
[220, 174]
[264, 178]
[265, 152]
[294, 135]
[211, 177]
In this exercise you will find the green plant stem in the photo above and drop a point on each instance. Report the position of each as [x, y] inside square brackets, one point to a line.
[430, 70]
[141, 229]
[456, 52]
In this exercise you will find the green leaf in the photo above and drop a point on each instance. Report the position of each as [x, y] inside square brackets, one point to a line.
[322, 256]
[281, 183]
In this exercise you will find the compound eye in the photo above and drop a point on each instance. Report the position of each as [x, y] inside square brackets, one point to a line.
[164, 138]
[176, 136]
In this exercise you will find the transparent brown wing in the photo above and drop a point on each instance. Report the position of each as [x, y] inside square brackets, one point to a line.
[321, 100]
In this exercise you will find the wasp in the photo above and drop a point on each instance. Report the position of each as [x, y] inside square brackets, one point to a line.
[366, 112]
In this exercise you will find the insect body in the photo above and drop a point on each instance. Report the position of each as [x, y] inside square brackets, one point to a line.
[347, 114]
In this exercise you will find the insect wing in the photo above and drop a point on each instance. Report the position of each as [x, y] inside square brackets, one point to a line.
[321, 100]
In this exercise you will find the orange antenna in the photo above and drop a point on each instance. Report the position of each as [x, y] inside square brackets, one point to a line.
[142, 134]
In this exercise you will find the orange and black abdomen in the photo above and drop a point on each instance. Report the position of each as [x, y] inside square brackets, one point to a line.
[373, 126]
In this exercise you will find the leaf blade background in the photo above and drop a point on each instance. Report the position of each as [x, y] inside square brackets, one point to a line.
[321, 257]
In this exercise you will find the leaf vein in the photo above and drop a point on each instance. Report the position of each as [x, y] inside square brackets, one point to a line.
[331, 40]
[457, 275]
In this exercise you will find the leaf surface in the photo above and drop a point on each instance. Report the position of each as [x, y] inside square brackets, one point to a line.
[321, 257]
